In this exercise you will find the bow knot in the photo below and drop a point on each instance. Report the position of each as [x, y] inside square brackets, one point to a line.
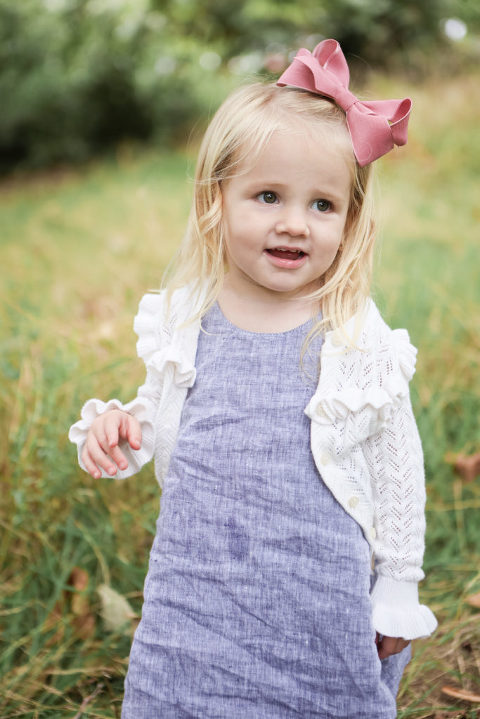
[374, 127]
[345, 99]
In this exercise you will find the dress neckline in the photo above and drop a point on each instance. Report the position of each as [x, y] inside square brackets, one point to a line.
[215, 312]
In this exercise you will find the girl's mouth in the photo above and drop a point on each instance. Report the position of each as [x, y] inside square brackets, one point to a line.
[285, 253]
[286, 258]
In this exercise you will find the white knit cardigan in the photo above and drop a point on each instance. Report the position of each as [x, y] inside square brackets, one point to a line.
[364, 438]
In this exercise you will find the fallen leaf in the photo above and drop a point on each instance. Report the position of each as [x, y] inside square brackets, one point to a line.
[116, 611]
[463, 694]
[474, 600]
[83, 620]
[467, 466]
[78, 579]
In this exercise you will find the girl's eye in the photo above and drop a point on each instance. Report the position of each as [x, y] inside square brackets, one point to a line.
[268, 197]
[322, 205]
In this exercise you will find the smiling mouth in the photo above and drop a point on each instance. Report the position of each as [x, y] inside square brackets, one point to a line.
[284, 253]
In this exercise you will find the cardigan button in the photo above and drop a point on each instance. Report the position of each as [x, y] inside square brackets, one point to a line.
[325, 457]
[320, 412]
[353, 502]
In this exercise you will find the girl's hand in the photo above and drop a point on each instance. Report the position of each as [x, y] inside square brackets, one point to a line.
[101, 446]
[387, 646]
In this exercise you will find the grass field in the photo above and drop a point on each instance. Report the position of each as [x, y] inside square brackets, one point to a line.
[78, 249]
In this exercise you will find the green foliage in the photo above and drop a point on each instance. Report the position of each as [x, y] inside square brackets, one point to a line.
[387, 31]
[80, 76]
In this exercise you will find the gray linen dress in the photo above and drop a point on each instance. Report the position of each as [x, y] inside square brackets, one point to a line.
[257, 596]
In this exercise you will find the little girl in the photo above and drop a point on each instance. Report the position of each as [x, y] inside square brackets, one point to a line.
[283, 575]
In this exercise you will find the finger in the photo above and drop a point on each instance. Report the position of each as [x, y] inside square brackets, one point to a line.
[385, 646]
[130, 430]
[98, 438]
[118, 457]
[403, 643]
[89, 465]
[99, 456]
[134, 433]
[390, 645]
[111, 429]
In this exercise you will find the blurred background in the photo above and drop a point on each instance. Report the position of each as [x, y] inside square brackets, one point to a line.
[103, 103]
[79, 76]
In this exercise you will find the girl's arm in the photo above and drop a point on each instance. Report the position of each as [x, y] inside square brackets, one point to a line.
[396, 462]
[105, 431]
[364, 431]
[169, 357]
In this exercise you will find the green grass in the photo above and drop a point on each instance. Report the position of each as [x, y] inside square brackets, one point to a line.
[78, 249]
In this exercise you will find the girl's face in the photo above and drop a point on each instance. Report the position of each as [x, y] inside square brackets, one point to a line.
[284, 218]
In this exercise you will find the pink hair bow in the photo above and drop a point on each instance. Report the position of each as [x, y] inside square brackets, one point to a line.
[375, 127]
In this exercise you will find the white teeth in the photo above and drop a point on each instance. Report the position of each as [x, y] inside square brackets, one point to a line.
[284, 249]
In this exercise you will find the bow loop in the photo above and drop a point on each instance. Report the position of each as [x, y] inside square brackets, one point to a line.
[329, 54]
[375, 127]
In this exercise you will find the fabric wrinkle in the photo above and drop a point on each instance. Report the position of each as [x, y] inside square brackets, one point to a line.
[258, 577]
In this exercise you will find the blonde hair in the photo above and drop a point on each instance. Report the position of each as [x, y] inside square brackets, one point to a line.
[234, 140]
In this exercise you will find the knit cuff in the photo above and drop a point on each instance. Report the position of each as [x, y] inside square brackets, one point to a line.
[136, 458]
[396, 611]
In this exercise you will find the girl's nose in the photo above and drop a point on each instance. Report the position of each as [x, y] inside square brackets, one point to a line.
[292, 223]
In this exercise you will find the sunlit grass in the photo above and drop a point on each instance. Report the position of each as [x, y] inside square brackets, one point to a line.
[78, 250]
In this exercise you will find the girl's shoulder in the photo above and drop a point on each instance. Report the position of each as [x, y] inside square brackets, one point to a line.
[369, 348]
[365, 372]
[160, 315]
[383, 340]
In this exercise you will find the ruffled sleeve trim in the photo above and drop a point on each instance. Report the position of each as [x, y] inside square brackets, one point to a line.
[141, 409]
[327, 406]
[147, 325]
[406, 353]
[396, 611]
[351, 400]
[160, 345]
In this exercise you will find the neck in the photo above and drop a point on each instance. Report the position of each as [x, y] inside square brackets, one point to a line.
[265, 312]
